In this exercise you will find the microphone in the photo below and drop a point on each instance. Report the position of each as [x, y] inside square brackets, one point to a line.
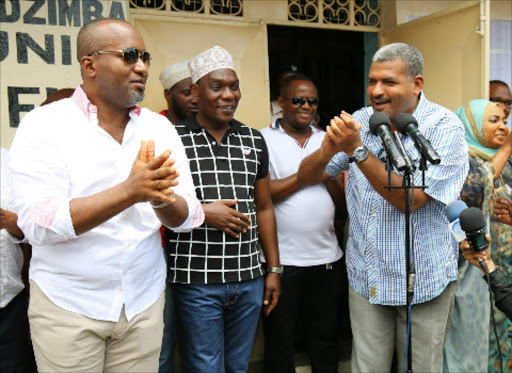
[453, 211]
[409, 166]
[407, 125]
[472, 222]
[380, 126]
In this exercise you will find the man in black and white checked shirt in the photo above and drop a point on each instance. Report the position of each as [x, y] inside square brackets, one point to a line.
[215, 268]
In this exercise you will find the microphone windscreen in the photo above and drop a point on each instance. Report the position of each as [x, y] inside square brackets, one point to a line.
[454, 208]
[472, 219]
[402, 120]
[376, 120]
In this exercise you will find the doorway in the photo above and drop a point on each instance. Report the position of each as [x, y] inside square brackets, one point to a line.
[334, 59]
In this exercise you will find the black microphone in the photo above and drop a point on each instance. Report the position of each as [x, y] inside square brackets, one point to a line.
[472, 222]
[381, 126]
[409, 166]
[408, 126]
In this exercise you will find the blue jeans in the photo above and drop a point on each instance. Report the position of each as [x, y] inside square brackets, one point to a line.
[216, 324]
[166, 363]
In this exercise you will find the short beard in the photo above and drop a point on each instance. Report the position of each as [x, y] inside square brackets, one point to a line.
[135, 98]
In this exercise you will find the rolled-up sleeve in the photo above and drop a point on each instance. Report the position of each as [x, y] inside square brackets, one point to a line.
[40, 182]
[445, 180]
[337, 165]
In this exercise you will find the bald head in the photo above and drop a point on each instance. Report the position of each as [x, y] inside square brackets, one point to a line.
[91, 36]
[108, 77]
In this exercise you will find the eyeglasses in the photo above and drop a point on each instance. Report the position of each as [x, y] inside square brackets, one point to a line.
[130, 55]
[299, 101]
[501, 101]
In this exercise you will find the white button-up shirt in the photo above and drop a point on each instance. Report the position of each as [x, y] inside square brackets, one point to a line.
[11, 256]
[60, 153]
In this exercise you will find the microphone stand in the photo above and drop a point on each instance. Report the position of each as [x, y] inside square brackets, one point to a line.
[410, 268]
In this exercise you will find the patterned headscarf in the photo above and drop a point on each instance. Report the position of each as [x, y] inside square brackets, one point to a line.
[475, 115]
[210, 60]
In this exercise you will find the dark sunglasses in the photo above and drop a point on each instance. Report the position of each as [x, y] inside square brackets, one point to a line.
[501, 101]
[299, 101]
[130, 55]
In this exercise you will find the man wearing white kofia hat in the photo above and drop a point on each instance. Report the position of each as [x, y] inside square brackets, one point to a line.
[176, 82]
[216, 271]
[180, 104]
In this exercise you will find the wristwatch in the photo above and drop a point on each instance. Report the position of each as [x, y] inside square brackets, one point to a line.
[275, 270]
[360, 154]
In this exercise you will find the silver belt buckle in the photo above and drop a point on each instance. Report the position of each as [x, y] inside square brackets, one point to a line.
[328, 266]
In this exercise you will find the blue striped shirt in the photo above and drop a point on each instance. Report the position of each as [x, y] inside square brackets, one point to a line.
[376, 244]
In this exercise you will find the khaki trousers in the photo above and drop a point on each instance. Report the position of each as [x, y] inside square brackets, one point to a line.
[65, 341]
[380, 330]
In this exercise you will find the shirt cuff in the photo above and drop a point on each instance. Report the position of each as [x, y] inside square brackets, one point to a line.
[195, 215]
[54, 215]
[337, 165]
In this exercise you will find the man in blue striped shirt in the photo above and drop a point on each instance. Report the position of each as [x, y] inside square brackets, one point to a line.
[376, 245]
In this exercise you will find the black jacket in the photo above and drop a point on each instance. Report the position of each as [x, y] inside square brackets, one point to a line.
[502, 289]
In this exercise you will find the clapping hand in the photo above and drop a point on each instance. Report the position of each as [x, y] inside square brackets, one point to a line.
[151, 179]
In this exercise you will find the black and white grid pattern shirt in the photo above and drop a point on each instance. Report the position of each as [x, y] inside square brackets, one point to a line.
[223, 171]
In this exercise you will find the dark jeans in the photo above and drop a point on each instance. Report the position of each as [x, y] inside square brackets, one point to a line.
[216, 325]
[312, 294]
[15, 352]
[166, 362]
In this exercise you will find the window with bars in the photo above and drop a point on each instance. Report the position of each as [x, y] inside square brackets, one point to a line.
[337, 12]
[215, 7]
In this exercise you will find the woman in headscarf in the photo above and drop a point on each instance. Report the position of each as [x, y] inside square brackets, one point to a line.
[471, 344]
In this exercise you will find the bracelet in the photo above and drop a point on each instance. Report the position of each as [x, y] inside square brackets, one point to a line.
[161, 205]
[278, 270]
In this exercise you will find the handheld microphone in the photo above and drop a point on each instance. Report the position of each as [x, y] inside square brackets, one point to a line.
[472, 222]
[453, 212]
[381, 126]
[407, 125]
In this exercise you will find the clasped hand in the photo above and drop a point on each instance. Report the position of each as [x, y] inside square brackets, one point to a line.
[151, 179]
[342, 135]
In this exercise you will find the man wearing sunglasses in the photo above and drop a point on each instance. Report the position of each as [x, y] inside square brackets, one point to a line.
[308, 247]
[91, 197]
[375, 253]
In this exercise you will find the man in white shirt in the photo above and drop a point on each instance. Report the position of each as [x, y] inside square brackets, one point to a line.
[308, 247]
[91, 197]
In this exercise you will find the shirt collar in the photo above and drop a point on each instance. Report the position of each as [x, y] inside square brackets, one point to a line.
[87, 107]
[418, 112]
[192, 124]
